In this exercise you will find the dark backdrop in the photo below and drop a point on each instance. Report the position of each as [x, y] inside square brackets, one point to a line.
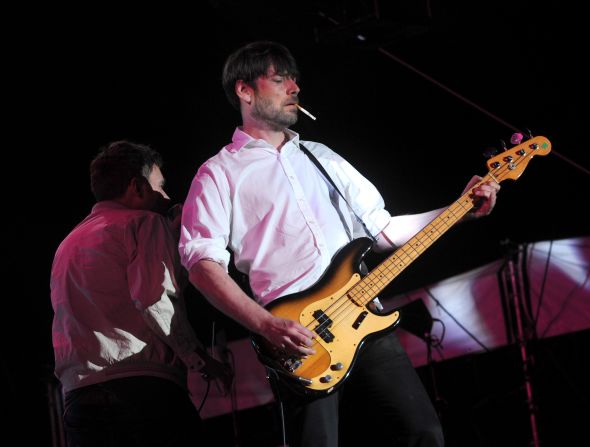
[87, 77]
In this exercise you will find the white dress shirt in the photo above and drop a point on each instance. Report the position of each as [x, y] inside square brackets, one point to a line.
[275, 212]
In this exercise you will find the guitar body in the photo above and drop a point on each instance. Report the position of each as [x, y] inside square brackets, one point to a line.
[342, 324]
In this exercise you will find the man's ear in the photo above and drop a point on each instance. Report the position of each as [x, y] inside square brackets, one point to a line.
[244, 91]
[137, 186]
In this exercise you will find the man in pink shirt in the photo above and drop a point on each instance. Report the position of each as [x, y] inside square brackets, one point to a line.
[121, 337]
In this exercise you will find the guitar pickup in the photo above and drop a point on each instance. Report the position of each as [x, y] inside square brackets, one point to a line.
[357, 323]
[322, 328]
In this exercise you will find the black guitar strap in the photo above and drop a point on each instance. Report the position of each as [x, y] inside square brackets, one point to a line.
[363, 266]
[329, 180]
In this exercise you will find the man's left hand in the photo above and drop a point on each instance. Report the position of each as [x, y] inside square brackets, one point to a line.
[484, 196]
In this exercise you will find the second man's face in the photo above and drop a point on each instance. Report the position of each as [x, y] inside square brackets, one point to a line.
[157, 200]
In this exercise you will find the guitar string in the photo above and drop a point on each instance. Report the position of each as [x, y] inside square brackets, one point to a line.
[344, 304]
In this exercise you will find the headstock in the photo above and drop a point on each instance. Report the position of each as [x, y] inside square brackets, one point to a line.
[511, 163]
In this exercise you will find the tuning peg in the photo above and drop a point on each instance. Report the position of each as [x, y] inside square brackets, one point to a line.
[516, 138]
[528, 133]
[489, 152]
[503, 145]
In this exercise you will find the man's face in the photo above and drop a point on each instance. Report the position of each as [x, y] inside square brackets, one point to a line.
[156, 199]
[275, 97]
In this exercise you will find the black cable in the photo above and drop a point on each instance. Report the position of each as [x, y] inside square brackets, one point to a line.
[440, 352]
[227, 358]
[233, 394]
[274, 383]
[205, 396]
[434, 342]
[232, 391]
[456, 321]
[208, 380]
[444, 331]
[283, 430]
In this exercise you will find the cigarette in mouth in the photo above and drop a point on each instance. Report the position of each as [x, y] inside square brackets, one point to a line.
[305, 111]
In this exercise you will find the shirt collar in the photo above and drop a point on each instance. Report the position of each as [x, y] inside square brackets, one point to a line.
[241, 139]
[107, 205]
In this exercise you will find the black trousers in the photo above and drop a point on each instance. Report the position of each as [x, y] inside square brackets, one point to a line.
[383, 402]
[132, 412]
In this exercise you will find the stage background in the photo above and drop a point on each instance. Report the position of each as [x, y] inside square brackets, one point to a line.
[464, 74]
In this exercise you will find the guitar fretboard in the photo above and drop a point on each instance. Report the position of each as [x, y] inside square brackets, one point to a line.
[372, 284]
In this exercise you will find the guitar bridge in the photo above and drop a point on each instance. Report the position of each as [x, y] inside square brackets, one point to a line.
[292, 363]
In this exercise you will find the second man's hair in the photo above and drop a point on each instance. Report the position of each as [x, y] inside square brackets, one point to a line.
[117, 164]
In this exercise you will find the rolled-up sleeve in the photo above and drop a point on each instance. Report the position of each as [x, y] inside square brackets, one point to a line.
[205, 228]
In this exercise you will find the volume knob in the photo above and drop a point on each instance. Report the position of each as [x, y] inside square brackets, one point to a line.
[337, 366]
[326, 379]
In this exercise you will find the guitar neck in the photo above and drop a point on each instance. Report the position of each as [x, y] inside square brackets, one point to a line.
[374, 282]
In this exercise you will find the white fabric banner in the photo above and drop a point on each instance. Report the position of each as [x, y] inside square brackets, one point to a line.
[468, 308]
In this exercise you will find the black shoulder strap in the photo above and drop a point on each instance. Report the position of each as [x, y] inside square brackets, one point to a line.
[329, 179]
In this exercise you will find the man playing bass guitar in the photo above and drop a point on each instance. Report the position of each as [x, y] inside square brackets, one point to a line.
[264, 198]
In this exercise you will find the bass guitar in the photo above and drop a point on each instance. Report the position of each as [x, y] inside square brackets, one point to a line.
[337, 307]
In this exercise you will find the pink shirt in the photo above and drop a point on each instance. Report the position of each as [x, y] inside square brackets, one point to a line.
[118, 308]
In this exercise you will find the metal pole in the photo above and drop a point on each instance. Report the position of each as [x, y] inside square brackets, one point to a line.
[438, 401]
[522, 344]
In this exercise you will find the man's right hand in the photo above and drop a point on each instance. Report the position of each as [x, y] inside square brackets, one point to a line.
[289, 336]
